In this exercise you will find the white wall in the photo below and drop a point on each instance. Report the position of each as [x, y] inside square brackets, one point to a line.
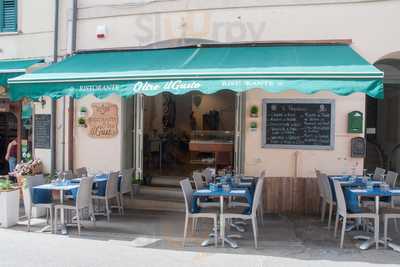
[232, 21]
[98, 154]
[35, 32]
[281, 162]
[370, 24]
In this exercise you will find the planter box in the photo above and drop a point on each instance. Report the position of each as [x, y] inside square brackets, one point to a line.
[9, 208]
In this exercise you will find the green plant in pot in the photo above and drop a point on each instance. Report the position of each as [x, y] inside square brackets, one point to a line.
[254, 111]
[253, 125]
[82, 122]
[5, 185]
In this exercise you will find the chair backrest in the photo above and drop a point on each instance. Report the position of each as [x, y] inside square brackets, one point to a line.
[257, 195]
[326, 187]
[391, 178]
[187, 193]
[84, 196]
[198, 180]
[378, 174]
[67, 175]
[112, 185]
[81, 172]
[30, 182]
[263, 173]
[126, 181]
[207, 173]
[340, 200]
[320, 184]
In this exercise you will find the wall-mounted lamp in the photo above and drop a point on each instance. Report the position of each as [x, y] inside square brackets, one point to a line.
[42, 101]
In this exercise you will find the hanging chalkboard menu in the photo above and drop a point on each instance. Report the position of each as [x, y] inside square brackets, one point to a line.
[42, 131]
[298, 123]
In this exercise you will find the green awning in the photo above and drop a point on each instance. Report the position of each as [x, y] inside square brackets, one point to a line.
[13, 68]
[274, 68]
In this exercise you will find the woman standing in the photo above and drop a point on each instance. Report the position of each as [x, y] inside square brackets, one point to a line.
[11, 155]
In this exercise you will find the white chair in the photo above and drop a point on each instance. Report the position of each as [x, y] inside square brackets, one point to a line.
[321, 194]
[260, 210]
[110, 194]
[208, 175]
[81, 172]
[83, 201]
[252, 216]
[198, 180]
[379, 174]
[188, 195]
[32, 181]
[126, 186]
[68, 175]
[342, 212]
[328, 198]
[391, 178]
[389, 213]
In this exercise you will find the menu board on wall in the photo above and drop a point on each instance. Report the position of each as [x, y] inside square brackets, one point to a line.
[42, 131]
[298, 123]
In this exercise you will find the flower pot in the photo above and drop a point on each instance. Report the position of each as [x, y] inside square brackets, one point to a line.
[9, 207]
[254, 115]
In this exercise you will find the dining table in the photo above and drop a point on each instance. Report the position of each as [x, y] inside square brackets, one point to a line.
[377, 192]
[62, 187]
[222, 194]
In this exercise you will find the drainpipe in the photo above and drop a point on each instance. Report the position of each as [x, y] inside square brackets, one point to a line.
[53, 102]
[71, 112]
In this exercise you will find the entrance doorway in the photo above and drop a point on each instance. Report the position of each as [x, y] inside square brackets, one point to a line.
[184, 133]
[8, 132]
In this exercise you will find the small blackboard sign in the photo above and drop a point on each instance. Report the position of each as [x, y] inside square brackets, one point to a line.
[358, 148]
[298, 123]
[42, 131]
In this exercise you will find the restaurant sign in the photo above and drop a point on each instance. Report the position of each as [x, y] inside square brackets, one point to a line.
[103, 123]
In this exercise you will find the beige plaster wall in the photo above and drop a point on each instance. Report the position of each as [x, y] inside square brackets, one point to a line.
[281, 162]
[97, 154]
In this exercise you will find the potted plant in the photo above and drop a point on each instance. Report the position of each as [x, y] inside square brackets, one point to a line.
[136, 185]
[254, 111]
[83, 111]
[9, 204]
[82, 122]
[253, 126]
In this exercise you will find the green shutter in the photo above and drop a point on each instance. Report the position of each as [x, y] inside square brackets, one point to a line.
[8, 15]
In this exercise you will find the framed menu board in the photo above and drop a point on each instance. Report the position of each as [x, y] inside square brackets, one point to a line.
[298, 123]
[42, 131]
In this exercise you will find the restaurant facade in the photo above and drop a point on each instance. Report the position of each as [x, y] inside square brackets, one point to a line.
[248, 86]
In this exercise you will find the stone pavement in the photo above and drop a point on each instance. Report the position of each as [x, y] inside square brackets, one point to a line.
[154, 237]
[19, 248]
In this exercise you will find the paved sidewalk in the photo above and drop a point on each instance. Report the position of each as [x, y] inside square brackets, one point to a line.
[34, 249]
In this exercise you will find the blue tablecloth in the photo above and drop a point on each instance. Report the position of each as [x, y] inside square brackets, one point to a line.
[352, 195]
[42, 194]
[234, 192]
[345, 183]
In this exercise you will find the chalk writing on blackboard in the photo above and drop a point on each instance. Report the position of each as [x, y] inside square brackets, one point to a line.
[42, 131]
[307, 124]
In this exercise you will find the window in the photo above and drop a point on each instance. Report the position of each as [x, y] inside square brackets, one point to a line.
[8, 15]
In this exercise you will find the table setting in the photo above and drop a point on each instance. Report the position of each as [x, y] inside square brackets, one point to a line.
[226, 188]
